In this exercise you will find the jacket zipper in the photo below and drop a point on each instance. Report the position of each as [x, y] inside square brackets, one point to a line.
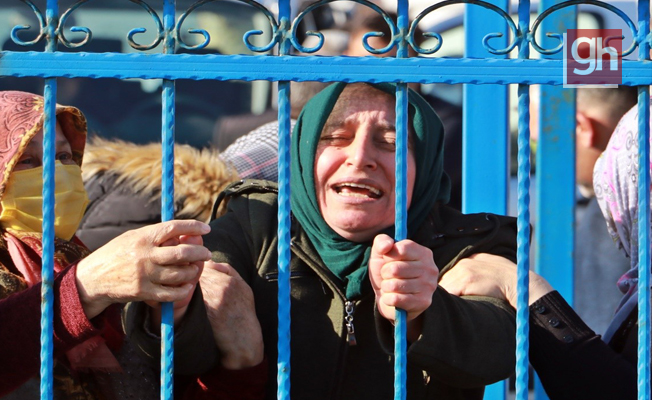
[349, 307]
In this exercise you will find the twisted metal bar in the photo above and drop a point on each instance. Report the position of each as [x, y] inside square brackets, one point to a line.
[47, 271]
[532, 37]
[41, 22]
[167, 200]
[47, 267]
[284, 211]
[518, 36]
[644, 212]
[277, 35]
[394, 40]
[400, 325]
[644, 243]
[523, 219]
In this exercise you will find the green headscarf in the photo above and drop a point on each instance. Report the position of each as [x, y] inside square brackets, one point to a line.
[348, 260]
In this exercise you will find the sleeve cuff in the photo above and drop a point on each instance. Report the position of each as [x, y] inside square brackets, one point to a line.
[71, 326]
[552, 314]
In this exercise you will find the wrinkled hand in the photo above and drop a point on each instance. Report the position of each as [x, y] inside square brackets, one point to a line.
[180, 307]
[231, 311]
[403, 275]
[136, 266]
[489, 275]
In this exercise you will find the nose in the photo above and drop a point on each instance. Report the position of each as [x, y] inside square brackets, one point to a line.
[361, 153]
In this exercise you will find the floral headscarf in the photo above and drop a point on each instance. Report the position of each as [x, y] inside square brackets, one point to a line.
[21, 118]
[615, 180]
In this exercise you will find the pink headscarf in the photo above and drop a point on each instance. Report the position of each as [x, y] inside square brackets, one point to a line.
[615, 180]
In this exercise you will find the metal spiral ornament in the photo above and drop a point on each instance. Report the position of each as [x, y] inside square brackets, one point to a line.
[558, 36]
[276, 34]
[393, 41]
[88, 35]
[518, 37]
[18, 28]
[159, 29]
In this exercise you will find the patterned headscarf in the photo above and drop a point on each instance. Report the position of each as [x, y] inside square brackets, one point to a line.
[615, 180]
[21, 118]
[346, 259]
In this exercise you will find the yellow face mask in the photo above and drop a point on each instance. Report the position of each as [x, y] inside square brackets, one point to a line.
[22, 203]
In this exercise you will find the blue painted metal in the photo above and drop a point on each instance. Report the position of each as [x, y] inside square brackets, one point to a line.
[47, 269]
[479, 26]
[394, 40]
[400, 325]
[41, 22]
[644, 213]
[47, 260]
[523, 222]
[277, 35]
[547, 10]
[309, 68]
[167, 200]
[644, 243]
[284, 218]
[485, 189]
[283, 68]
[555, 212]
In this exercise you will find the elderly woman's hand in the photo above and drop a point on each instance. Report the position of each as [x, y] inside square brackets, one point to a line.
[147, 264]
[403, 275]
[489, 275]
[231, 311]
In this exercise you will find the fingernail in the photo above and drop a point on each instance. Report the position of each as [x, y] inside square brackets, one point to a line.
[205, 228]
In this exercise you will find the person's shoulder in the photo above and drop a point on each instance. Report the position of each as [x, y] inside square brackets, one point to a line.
[455, 223]
[256, 193]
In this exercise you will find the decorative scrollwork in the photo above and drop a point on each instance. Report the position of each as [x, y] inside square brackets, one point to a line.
[393, 41]
[42, 25]
[89, 35]
[559, 37]
[276, 33]
[518, 36]
[159, 29]
[62, 22]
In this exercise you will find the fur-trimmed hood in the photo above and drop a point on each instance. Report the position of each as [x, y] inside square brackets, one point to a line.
[199, 175]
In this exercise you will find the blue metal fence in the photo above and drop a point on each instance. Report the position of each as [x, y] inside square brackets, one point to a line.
[485, 70]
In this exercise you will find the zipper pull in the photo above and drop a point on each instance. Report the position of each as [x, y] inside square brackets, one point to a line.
[349, 307]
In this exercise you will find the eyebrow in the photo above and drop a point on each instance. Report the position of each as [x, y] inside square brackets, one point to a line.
[331, 125]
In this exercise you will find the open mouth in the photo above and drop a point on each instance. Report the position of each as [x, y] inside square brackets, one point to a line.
[349, 189]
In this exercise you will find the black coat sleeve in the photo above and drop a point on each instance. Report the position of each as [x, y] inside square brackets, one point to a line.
[573, 362]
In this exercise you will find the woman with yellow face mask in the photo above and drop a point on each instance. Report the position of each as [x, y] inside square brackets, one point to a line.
[161, 262]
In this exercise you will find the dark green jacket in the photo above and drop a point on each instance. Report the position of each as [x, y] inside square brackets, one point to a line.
[466, 342]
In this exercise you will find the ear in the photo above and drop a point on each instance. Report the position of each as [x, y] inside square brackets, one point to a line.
[585, 131]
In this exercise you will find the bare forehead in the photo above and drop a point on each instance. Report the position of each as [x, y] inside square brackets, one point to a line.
[60, 137]
[361, 97]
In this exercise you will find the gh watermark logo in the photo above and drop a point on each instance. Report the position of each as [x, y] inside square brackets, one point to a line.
[591, 57]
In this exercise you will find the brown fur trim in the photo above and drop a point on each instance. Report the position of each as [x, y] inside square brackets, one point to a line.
[199, 175]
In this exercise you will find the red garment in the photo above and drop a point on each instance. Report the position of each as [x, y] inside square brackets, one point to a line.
[20, 332]
[20, 329]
